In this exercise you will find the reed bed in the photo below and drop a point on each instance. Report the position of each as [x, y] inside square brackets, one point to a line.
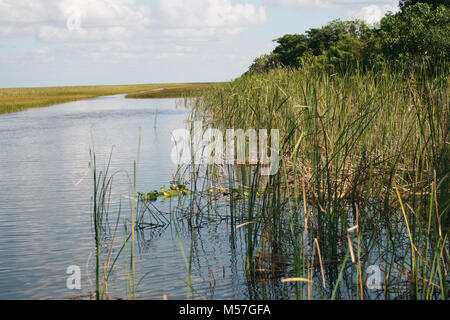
[361, 190]
[363, 180]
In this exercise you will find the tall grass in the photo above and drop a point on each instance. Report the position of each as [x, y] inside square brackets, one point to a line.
[102, 185]
[363, 182]
[105, 236]
[18, 99]
[364, 168]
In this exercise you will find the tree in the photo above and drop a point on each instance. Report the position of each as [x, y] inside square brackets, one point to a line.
[419, 33]
[335, 38]
[290, 48]
[435, 3]
[261, 64]
[346, 54]
[322, 39]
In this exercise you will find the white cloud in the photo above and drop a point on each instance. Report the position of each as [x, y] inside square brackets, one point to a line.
[117, 51]
[50, 19]
[205, 19]
[94, 20]
[7, 30]
[305, 4]
[108, 12]
[96, 12]
[26, 11]
[56, 34]
[372, 13]
[329, 4]
[124, 33]
[210, 14]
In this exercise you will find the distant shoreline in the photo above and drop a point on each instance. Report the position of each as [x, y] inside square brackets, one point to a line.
[177, 91]
[19, 99]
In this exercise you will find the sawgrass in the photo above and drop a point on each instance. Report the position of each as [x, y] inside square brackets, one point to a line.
[363, 169]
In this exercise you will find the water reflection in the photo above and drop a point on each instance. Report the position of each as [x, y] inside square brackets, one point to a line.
[45, 223]
[186, 248]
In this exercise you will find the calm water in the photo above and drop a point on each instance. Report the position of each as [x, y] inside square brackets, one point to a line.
[45, 212]
[45, 223]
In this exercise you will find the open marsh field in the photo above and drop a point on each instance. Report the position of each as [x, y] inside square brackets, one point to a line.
[18, 99]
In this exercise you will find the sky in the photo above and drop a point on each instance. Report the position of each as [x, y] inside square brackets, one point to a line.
[95, 42]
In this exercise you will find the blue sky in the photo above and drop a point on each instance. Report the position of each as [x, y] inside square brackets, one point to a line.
[88, 42]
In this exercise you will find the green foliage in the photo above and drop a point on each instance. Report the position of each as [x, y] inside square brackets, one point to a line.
[419, 34]
[435, 3]
[321, 40]
[415, 36]
[290, 47]
[337, 45]
[261, 64]
[367, 148]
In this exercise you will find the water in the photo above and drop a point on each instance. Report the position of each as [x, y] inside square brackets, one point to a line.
[45, 199]
[45, 212]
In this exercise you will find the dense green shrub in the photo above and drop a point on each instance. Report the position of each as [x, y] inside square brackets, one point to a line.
[415, 36]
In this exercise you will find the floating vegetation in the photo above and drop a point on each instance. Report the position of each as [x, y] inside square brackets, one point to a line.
[174, 191]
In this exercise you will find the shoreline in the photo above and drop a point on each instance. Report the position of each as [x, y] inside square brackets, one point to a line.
[19, 99]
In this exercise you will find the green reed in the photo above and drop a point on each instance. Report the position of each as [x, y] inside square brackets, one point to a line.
[365, 152]
[103, 237]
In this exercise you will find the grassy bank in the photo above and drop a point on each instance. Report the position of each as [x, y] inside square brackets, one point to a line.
[175, 91]
[18, 99]
[363, 179]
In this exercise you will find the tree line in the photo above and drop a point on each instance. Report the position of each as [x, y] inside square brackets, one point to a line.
[416, 36]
